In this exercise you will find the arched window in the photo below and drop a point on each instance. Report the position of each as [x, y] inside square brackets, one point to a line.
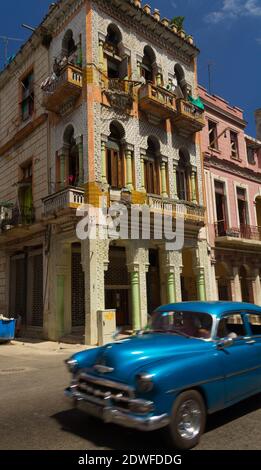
[151, 167]
[181, 81]
[183, 176]
[115, 156]
[149, 59]
[72, 153]
[117, 65]
[68, 44]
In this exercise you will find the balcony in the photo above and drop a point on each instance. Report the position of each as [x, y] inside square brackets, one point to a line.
[119, 93]
[191, 212]
[189, 118]
[64, 90]
[16, 222]
[246, 234]
[159, 104]
[63, 201]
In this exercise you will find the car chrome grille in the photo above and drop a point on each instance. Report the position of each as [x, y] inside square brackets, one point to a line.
[104, 391]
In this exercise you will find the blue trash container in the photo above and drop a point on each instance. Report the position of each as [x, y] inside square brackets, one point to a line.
[7, 330]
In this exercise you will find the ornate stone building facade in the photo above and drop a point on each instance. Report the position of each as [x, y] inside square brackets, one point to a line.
[121, 95]
[232, 165]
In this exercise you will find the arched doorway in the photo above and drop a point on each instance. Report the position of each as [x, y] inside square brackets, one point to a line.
[148, 64]
[117, 286]
[188, 278]
[223, 282]
[152, 166]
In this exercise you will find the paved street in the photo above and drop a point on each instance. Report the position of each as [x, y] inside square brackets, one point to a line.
[35, 415]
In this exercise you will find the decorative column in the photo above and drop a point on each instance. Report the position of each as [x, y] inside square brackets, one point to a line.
[139, 69]
[194, 185]
[79, 142]
[138, 265]
[101, 55]
[254, 286]
[200, 279]
[158, 79]
[135, 300]
[175, 191]
[163, 178]
[103, 159]
[236, 285]
[128, 157]
[142, 170]
[62, 157]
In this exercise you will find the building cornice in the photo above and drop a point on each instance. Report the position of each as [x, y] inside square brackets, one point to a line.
[224, 114]
[211, 161]
[124, 10]
[149, 27]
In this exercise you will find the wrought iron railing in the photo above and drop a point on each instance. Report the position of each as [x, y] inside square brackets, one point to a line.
[249, 232]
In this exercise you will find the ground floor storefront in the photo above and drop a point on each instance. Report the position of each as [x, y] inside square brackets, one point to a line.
[58, 284]
[237, 275]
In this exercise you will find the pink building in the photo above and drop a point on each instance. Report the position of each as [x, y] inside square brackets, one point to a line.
[232, 167]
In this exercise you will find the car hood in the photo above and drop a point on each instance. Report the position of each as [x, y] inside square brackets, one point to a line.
[126, 356]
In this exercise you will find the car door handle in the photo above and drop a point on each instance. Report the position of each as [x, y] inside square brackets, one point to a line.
[251, 341]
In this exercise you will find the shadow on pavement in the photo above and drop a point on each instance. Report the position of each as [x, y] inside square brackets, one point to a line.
[115, 437]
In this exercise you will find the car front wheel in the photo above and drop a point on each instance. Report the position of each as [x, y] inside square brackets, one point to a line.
[188, 419]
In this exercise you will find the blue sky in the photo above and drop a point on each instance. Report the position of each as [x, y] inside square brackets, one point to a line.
[228, 33]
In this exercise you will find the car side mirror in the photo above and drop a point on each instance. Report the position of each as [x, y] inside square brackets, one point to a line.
[225, 343]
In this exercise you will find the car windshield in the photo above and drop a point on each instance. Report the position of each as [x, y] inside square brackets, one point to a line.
[190, 324]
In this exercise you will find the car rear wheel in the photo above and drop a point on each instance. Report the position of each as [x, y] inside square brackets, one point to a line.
[188, 419]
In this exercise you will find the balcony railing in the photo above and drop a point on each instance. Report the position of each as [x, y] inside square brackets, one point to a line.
[189, 117]
[119, 93]
[189, 210]
[157, 101]
[63, 88]
[64, 199]
[247, 232]
[18, 216]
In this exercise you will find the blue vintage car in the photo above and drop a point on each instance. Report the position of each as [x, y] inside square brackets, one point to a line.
[193, 359]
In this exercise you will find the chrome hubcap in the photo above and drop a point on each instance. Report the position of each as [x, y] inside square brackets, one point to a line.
[189, 419]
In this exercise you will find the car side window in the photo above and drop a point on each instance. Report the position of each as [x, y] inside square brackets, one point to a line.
[231, 326]
[254, 320]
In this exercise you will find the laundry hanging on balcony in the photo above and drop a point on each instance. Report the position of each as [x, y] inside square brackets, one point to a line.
[197, 102]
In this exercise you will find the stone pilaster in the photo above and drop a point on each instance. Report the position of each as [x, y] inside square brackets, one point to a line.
[104, 139]
[235, 285]
[95, 261]
[194, 185]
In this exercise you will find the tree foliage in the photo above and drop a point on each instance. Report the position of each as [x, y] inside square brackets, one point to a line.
[178, 21]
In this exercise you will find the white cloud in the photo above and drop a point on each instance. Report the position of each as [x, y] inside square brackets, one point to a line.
[232, 9]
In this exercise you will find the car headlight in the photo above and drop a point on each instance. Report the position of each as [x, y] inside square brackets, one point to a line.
[144, 382]
[71, 365]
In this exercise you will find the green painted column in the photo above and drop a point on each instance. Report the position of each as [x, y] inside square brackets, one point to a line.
[175, 191]
[103, 162]
[62, 170]
[163, 180]
[135, 298]
[201, 284]
[80, 150]
[193, 186]
[158, 79]
[60, 304]
[171, 294]
[129, 180]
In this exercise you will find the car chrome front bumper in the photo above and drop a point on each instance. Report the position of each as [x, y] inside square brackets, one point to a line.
[113, 415]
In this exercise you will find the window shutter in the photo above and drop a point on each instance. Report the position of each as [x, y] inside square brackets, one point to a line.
[123, 68]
